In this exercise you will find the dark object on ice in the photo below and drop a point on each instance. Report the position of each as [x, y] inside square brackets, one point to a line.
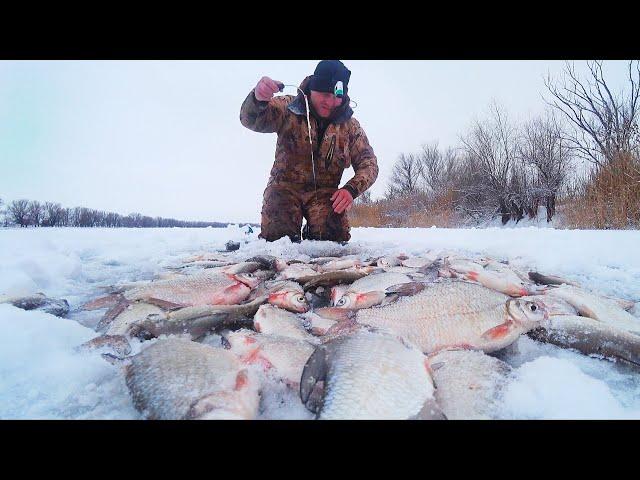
[541, 279]
[40, 301]
[232, 246]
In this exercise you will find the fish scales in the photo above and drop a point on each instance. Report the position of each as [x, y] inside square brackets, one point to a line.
[133, 314]
[442, 314]
[374, 376]
[193, 290]
[169, 378]
[468, 383]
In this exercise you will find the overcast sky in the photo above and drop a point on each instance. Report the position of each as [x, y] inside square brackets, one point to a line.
[163, 138]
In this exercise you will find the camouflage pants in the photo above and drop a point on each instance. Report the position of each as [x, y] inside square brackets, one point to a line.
[286, 204]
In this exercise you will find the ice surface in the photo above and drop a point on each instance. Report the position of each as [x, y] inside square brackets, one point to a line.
[42, 377]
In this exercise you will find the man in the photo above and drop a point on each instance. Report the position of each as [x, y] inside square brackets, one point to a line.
[338, 141]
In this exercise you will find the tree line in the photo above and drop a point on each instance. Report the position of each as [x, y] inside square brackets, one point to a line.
[26, 213]
[509, 170]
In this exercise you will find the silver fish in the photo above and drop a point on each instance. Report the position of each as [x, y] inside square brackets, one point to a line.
[284, 294]
[197, 321]
[370, 375]
[200, 289]
[177, 379]
[295, 271]
[271, 320]
[505, 282]
[468, 383]
[596, 307]
[451, 314]
[281, 358]
[370, 290]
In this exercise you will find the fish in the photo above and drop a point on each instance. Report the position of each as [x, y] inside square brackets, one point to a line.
[177, 379]
[550, 279]
[336, 292]
[367, 375]
[117, 345]
[590, 337]
[340, 264]
[242, 267]
[285, 294]
[211, 257]
[417, 262]
[199, 289]
[553, 305]
[271, 320]
[38, 301]
[281, 358]
[503, 282]
[370, 290]
[295, 271]
[196, 321]
[131, 314]
[451, 314]
[555, 280]
[388, 261]
[468, 383]
[504, 268]
[596, 307]
[317, 324]
[330, 279]
[400, 269]
[269, 262]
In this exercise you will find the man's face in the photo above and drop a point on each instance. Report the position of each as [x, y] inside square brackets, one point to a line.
[324, 103]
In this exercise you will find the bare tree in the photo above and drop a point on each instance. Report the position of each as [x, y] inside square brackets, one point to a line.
[439, 170]
[492, 149]
[52, 214]
[19, 211]
[405, 176]
[605, 123]
[546, 155]
[36, 210]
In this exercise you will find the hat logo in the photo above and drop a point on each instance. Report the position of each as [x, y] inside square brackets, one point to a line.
[338, 90]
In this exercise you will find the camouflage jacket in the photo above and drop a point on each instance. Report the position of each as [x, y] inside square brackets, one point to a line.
[344, 143]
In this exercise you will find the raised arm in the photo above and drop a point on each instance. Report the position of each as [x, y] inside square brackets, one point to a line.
[261, 111]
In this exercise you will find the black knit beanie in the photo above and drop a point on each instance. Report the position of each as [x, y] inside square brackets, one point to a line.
[330, 76]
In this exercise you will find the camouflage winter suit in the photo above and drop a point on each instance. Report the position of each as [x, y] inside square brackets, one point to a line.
[290, 193]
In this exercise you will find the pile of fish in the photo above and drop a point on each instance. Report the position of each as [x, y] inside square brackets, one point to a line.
[395, 337]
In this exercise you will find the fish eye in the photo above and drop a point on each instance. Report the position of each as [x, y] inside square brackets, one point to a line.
[533, 307]
[300, 299]
[341, 302]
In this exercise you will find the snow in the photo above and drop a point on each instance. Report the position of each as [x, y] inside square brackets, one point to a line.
[42, 376]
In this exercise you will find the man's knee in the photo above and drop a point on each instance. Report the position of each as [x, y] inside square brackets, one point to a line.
[325, 224]
[281, 215]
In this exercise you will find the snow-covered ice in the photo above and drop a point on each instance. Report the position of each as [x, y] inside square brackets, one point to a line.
[41, 376]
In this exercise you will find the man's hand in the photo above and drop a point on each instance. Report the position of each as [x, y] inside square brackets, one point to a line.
[342, 201]
[266, 88]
